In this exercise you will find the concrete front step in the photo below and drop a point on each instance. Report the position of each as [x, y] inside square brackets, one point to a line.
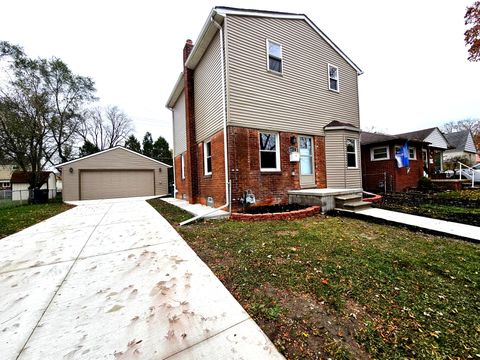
[357, 205]
[340, 201]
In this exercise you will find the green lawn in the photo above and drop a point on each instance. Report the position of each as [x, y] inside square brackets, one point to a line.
[13, 219]
[338, 287]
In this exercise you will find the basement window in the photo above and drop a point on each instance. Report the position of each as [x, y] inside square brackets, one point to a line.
[274, 57]
[379, 153]
[207, 157]
[269, 154]
[333, 78]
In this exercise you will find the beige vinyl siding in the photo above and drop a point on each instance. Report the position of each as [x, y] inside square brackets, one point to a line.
[179, 126]
[116, 159]
[208, 92]
[296, 101]
[338, 175]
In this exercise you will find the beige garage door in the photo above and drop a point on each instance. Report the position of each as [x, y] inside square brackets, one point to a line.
[108, 184]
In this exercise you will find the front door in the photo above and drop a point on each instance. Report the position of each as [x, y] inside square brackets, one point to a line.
[307, 163]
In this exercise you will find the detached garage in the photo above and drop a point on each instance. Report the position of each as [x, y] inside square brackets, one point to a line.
[113, 173]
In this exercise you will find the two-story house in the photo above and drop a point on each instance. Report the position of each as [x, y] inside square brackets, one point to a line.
[266, 103]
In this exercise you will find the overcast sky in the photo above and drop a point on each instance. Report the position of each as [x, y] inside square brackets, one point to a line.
[416, 73]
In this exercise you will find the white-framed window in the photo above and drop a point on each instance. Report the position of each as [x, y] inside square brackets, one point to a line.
[182, 167]
[207, 157]
[351, 150]
[412, 152]
[274, 57]
[333, 78]
[379, 153]
[269, 151]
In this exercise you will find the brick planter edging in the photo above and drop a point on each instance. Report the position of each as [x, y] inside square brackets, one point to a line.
[290, 215]
[375, 198]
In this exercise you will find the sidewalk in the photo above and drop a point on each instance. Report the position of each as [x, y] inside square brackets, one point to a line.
[468, 232]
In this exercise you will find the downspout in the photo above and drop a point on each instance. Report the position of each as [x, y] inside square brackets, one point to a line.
[225, 147]
[224, 103]
[173, 155]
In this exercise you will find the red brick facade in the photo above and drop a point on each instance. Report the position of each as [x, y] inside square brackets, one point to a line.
[244, 162]
[268, 187]
[375, 173]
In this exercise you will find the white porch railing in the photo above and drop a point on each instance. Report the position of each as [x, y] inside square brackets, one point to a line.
[469, 172]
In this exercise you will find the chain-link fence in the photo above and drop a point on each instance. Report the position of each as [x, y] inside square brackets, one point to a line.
[19, 197]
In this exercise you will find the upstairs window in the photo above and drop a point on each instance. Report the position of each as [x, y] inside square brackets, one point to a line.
[207, 157]
[333, 78]
[351, 150]
[274, 57]
[269, 154]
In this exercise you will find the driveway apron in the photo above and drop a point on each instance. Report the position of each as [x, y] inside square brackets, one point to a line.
[111, 279]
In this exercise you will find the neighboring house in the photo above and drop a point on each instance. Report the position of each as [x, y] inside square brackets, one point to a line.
[5, 175]
[113, 173]
[438, 143]
[266, 103]
[462, 146]
[20, 184]
[380, 171]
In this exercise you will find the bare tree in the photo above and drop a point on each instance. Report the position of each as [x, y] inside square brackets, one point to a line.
[40, 103]
[105, 127]
[470, 124]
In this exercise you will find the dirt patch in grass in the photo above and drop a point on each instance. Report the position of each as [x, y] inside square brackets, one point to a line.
[308, 326]
[341, 288]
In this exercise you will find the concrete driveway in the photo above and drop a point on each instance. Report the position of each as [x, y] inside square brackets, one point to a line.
[112, 279]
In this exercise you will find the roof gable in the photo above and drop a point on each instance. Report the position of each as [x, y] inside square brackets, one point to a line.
[116, 148]
[432, 135]
[462, 141]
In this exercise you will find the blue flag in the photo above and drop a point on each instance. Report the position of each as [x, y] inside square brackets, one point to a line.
[402, 156]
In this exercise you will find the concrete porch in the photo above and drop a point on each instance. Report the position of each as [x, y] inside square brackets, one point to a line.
[326, 198]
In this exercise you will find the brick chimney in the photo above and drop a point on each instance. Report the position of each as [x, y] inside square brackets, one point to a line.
[191, 163]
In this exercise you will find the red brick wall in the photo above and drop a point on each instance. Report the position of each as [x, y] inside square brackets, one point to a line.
[268, 187]
[180, 184]
[212, 185]
[397, 178]
[191, 153]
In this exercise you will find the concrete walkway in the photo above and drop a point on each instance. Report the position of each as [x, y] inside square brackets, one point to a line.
[197, 209]
[113, 280]
[439, 226]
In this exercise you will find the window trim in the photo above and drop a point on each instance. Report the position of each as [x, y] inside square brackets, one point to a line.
[414, 153]
[205, 158]
[268, 56]
[277, 152]
[372, 158]
[355, 141]
[397, 147]
[182, 166]
[338, 78]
